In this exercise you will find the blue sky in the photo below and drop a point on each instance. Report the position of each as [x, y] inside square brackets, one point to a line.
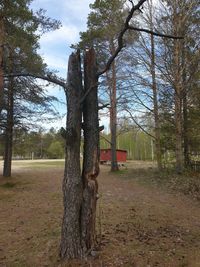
[55, 46]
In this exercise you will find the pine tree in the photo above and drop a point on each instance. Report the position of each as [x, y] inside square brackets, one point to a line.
[181, 18]
[19, 38]
[104, 22]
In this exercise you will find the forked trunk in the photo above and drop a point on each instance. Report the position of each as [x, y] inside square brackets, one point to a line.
[80, 191]
[91, 152]
[72, 184]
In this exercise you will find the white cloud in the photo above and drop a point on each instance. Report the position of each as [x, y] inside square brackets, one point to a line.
[56, 62]
[77, 8]
[67, 33]
[55, 45]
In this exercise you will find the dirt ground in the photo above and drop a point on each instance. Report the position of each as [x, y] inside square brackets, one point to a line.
[138, 225]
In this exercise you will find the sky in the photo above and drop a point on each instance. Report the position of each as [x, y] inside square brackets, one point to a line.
[55, 45]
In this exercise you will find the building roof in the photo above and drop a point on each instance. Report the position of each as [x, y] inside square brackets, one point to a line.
[108, 149]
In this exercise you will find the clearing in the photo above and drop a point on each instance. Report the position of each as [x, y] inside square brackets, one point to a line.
[139, 223]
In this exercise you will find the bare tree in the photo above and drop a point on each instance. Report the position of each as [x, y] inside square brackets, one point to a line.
[178, 17]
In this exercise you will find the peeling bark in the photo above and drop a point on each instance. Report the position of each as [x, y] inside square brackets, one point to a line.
[78, 235]
[72, 184]
[91, 152]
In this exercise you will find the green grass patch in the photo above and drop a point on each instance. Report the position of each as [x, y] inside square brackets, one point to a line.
[56, 196]
[48, 163]
[40, 164]
[8, 185]
[120, 172]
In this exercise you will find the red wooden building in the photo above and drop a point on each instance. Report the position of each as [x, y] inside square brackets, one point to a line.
[105, 155]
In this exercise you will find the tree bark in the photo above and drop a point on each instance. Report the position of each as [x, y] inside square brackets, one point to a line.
[155, 92]
[178, 92]
[155, 105]
[1, 65]
[185, 130]
[72, 184]
[113, 123]
[185, 109]
[78, 236]
[9, 121]
[178, 109]
[113, 115]
[91, 152]
[9, 130]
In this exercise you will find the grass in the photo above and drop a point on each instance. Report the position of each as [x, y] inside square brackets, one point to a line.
[187, 183]
[120, 172]
[8, 185]
[137, 224]
[48, 163]
[39, 164]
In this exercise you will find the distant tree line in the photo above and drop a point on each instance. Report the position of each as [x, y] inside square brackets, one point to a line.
[39, 144]
[139, 146]
[36, 144]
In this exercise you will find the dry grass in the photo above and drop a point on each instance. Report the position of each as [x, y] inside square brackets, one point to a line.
[139, 224]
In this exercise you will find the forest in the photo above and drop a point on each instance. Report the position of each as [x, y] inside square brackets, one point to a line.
[51, 144]
[132, 83]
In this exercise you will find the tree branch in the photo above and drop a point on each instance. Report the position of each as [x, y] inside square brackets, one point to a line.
[154, 33]
[103, 106]
[128, 27]
[121, 35]
[139, 124]
[48, 78]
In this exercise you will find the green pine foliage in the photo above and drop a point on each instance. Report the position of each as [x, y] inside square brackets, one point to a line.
[38, 144]
[22, 29]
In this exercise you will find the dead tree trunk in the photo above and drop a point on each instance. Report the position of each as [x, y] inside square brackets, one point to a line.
[80, 191]
[91, 152]
[72, 184]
